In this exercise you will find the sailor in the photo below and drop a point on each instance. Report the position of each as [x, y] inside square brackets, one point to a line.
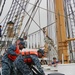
[28, 58]
[9, 57]
[55, 62]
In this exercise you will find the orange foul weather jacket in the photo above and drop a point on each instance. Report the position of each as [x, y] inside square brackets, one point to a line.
[27, 53]
[13, 57]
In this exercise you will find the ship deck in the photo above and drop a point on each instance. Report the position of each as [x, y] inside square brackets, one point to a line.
[66, 69]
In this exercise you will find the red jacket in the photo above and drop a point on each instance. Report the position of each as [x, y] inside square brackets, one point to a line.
[13, 57]
[29, 60]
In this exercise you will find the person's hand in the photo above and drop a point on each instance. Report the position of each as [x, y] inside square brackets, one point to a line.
[55, 65]
[49, 64]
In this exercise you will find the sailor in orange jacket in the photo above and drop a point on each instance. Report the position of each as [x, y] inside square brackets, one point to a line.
[28, 58]
[9, 57]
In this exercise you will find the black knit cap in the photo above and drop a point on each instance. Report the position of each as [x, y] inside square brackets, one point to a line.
[54, 57]
[21, 39]
[41, 51]
[22, 43]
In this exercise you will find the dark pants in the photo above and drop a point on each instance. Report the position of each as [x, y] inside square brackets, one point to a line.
[23, 68]
[8, 69]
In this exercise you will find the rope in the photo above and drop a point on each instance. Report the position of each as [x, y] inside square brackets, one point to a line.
[30, 19]
[42, 28]
[19, 16]
[6, 20]
[0, 2]
[2, 7]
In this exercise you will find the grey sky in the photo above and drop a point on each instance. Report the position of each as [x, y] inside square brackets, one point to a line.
[6, 9]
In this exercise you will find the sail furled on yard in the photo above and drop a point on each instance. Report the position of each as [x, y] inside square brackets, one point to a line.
[10, 32]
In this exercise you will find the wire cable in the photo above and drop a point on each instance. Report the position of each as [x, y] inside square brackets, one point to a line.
[2, 7]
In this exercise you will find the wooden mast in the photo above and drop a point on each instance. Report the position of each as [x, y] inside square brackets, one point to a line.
[61, 31]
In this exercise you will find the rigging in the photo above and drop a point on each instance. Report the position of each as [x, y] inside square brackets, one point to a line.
[2, 7]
